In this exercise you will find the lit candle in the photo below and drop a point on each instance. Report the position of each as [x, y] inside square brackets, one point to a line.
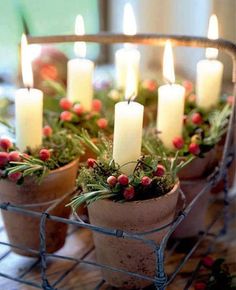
[209, 73]
[170, 108]
[128, 128]
[128, 56]
[80, 72]
[28, 106]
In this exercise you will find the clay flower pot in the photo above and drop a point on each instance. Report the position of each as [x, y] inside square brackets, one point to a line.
[192, 180]
[126, 254]
[195, 221]
[199, 167]
[231, 170]
[23, 230]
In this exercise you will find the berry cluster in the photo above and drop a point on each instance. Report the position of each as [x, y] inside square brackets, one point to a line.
[214, 275]
[9, 155]
[76, 113]
[127, 186]
[194, 121]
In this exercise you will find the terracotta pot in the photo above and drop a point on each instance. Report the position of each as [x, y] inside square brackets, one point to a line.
[23, 230]
[131, 255]
[195, 221]
[199, 167]
[231, 171]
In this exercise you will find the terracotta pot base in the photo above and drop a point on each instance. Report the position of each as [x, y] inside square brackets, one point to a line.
[195, 220]
[23, 230]
[130, 255]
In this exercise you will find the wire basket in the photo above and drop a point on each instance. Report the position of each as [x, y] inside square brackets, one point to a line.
[160, 280]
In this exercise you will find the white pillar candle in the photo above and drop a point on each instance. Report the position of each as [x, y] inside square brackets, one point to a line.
[124, 58]
[28, 106]
[127, 134]
[170, 109]
[29, 118]
[80, 72]
[209, 73]
[128, 56]
[127, 140]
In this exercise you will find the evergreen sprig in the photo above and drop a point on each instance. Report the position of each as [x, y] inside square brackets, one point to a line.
[29, 166]
[94, 180]
[62, 149]
[218, 121]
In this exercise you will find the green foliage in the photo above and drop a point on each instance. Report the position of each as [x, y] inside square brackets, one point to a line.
[29, 166]
[218, 277]
[207, 134]
[63, 149]
[86, 120]
[93, 180]
[218, 123]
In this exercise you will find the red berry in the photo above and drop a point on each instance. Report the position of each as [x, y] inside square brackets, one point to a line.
[14, 156]
[129, 193]
[15, 176]
[230, 100]
[102, 123]
[192, 98]
[196, 118]
[160, 171]
[150, 85]
[91, 162]
[66, 116]
[188, 85]
[200, 286]
[178, 142]
[145, 181]
[123, 179]
[25, 155]
[44, 154]
[208, 261]
[78, 109]
[65, 104]
[194, 148]
[3, 159]
[47, 131]
[5, 144]
[111, 180]
[96, 105]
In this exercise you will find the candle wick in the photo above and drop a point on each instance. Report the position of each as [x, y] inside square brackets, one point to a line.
[131, 98]
[168, 81]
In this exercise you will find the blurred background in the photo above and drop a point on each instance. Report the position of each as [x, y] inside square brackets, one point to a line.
[42, 17]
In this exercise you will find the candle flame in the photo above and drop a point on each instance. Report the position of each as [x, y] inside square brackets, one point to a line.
[129, 22]
[213, 33]
[130, 91]
[168, 63]
[79, 46]
[26, 67]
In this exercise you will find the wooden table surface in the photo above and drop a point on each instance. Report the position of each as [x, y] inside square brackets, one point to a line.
[83, 277]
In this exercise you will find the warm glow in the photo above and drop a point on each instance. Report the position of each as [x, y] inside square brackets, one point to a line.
[80, 46]
[26, 68]
[35, 51]
[130, 91]
[168, 64]
[129, 22]
[213, 33]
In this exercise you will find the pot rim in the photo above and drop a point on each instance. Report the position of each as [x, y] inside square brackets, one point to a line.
[172, 191]
[64, 167]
